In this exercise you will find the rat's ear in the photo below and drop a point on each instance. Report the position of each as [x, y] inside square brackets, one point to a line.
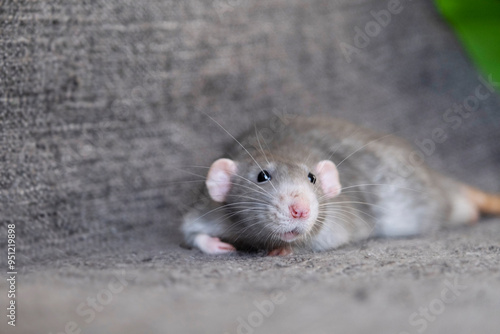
[219, 179]
[329, 178]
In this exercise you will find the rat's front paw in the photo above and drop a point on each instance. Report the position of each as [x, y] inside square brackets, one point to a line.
[280, 251]
[211, 245]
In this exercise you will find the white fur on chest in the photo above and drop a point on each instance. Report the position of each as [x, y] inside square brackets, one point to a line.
[331, 235]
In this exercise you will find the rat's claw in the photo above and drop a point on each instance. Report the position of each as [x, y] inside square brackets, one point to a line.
[211, 245]
[280, 252]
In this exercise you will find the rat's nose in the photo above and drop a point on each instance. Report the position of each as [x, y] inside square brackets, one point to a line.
[299, 210]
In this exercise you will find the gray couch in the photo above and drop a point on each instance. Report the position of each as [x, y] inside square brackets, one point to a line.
[101, 118]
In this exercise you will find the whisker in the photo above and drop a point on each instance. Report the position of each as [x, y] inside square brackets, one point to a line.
[236, 140]
[382, 184]
[240, 176]
[370, 142]
[335, 211]
[248, 227]
[325, 225]
[353, 202]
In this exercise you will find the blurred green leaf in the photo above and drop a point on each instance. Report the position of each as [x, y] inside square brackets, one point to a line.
[477, 23]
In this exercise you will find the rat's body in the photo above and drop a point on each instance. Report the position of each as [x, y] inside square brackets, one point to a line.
[317, 183]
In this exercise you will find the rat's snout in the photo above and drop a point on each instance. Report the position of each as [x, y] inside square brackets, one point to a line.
[300, 208]
[300, 216]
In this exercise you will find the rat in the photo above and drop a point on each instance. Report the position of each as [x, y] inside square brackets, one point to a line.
[319, 183]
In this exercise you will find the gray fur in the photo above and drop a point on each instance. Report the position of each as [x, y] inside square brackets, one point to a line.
[377, 197]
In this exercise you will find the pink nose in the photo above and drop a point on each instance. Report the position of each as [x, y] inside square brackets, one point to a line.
[299, 210]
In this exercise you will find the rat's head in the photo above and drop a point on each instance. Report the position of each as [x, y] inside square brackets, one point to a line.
[272, 203]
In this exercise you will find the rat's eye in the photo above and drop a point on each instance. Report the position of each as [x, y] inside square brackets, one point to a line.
[263, 176]
[312, 178]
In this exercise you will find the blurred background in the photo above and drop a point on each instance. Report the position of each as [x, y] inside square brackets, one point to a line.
[101, 117]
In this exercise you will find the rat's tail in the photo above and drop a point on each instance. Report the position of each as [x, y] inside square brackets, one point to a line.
[485, 202]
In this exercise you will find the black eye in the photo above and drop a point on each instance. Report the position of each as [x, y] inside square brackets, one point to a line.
[312, 178]
[263, 176]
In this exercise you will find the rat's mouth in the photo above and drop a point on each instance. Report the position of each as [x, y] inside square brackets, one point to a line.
[290, 236]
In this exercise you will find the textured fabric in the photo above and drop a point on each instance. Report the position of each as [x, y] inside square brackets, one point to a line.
[102, 114]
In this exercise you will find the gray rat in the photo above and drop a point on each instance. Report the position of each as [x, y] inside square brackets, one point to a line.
[319, 183]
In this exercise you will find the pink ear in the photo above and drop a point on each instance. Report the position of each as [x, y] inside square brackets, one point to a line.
[219, 179]
[329, 178]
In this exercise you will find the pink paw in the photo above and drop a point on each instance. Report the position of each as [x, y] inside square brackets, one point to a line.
[211, 245]
[280, 252]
